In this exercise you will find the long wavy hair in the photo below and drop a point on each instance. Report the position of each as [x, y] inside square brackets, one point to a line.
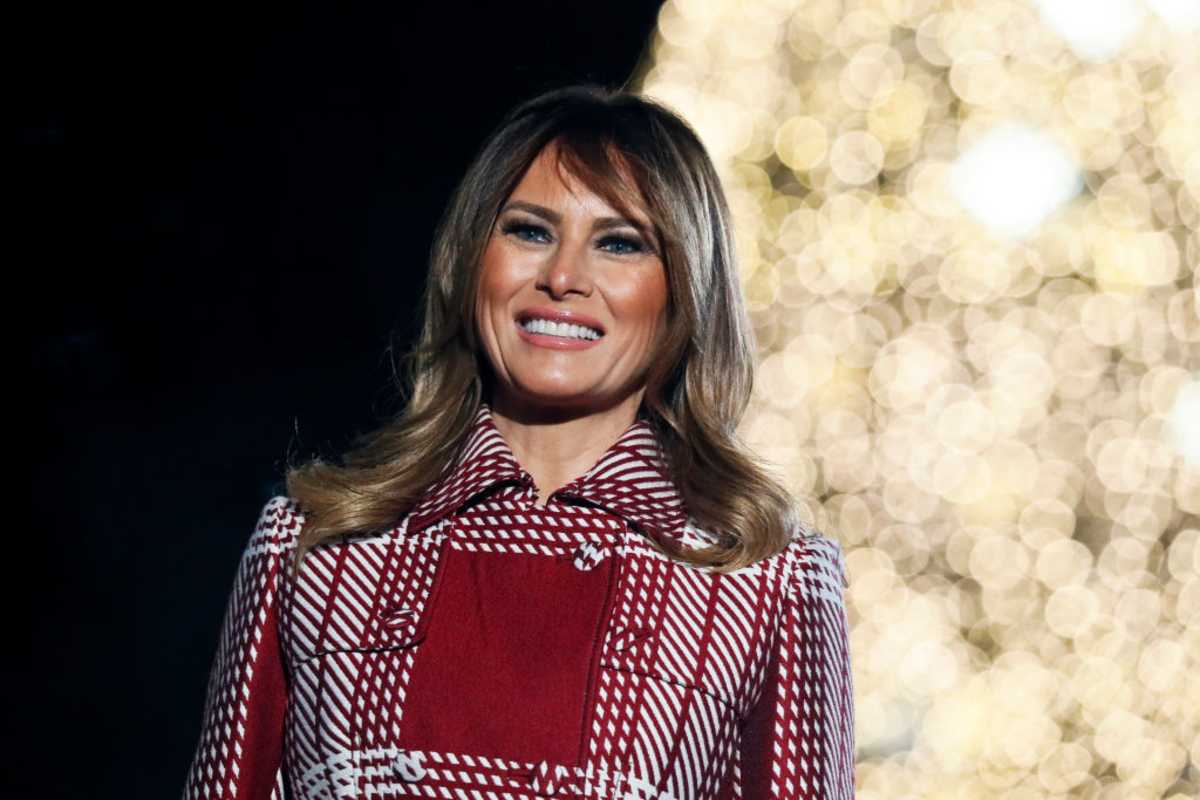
[628, 149]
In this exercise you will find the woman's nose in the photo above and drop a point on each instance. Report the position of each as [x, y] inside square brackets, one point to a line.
[567, 269]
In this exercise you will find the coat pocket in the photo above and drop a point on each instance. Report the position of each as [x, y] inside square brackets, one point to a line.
[362, 597]
[666, 674]
[352, 624]
[700, 631]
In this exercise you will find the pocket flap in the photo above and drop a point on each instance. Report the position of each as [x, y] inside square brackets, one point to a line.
[361, 596]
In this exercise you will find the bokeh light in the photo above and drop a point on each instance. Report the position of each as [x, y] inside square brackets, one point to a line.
[969, 235]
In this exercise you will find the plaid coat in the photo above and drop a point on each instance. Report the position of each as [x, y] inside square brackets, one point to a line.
[485, 648]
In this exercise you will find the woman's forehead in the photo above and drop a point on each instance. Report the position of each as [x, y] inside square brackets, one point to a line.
[564, 168]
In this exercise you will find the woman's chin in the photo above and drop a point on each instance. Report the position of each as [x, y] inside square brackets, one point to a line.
[562, 397]
[559, 397]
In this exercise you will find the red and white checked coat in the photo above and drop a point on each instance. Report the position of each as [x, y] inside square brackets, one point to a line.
[486, 649]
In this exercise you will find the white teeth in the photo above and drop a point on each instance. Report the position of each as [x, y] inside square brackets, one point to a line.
[564, 329]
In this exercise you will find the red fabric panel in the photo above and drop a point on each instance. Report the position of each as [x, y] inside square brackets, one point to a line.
[264, 728]
[757, 746]
[509, 655]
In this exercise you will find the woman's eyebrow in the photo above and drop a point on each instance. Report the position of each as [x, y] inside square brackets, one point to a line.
[533, 208]
[550, 215]
[607, 223]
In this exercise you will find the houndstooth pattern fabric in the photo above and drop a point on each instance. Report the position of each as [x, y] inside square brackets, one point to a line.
[490, 649]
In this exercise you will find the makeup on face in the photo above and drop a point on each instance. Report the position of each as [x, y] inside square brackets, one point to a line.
[572, 292]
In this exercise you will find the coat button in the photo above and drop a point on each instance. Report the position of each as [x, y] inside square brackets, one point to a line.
[397, 618]
[587, 556]
[407, 765]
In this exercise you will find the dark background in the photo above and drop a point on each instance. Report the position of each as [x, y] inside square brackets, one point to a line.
[225, 211]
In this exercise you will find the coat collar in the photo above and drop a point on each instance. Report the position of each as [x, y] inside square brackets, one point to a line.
[630, 480]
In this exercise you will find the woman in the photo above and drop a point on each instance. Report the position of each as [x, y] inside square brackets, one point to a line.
[556, 573]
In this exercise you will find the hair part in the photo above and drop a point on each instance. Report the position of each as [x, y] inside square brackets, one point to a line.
[633, 152]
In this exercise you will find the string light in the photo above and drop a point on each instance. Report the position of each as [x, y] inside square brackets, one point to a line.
[969, 235]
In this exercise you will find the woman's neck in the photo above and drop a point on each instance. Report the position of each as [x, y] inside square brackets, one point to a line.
[557, 446]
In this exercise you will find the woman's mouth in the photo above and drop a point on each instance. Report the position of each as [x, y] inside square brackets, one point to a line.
[557, 335]
[563, 329]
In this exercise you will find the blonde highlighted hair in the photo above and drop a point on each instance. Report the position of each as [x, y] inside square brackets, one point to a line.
[696, 392]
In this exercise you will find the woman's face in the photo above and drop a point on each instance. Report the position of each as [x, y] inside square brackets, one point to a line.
[572, 297]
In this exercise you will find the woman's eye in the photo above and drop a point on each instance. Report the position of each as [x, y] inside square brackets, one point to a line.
[527, 232]
[621, 245]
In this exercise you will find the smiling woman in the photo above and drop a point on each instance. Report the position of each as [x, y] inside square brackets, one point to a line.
[557, 572]
[572, 301]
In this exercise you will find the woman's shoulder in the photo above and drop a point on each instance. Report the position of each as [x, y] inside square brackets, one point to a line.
[808, 557]
[279, 523]
[817, 562]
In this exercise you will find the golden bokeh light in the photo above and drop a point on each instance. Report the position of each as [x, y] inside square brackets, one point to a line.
[1000, 422]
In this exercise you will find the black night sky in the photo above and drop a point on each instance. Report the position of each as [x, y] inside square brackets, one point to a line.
[225, 213]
